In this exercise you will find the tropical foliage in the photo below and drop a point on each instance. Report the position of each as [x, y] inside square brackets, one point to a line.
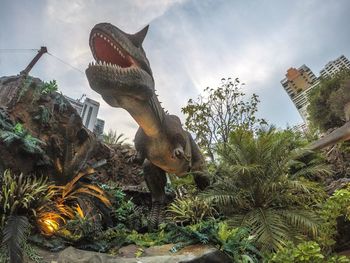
[113, 138]
[49, 87]
[19, 197]
[19, 135]
[190, 210]
[305, 252]
[263, 187]
[266, 203]
[64, 203]
[335, 206]
[237, 243]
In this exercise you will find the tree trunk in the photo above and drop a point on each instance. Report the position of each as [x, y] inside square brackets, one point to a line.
[347, 111]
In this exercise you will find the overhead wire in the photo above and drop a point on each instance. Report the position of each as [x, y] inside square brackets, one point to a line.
[16, 50]
[64, 62]
[12, 50]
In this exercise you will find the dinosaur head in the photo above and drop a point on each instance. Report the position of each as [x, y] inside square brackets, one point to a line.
[121, 67]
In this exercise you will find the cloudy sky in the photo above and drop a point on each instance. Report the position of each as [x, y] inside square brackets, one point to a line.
[191, 44]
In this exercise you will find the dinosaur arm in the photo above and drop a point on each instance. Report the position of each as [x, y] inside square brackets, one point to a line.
[199, 169]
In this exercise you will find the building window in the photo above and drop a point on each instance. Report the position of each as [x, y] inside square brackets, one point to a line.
[88, 117]
[82, 116]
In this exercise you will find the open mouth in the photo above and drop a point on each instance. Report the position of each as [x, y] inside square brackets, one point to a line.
[108, 52]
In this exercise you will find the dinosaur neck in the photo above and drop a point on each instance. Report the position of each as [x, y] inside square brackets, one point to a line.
[157, 108]
[148, 114]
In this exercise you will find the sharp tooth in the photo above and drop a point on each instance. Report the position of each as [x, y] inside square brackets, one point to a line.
[108, 40]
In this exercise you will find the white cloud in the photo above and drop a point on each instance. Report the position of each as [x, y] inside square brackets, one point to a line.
[191, 44]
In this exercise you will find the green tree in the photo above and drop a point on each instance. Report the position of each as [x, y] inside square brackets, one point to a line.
[262, 186]
[328, 101]
[219, 111]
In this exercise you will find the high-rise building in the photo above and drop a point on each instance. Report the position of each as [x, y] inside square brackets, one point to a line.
[335, 66]
[298, 83]
[76, 104]
[88, 111]
[99, 127]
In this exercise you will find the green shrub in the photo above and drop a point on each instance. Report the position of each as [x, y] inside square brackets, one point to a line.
[190, 210]
[19, 135]
[19, 197]
[304, 252]
[48, 87]
[237, 243]
[335, 206]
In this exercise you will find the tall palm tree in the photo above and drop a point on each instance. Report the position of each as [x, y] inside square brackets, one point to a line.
[263, 187]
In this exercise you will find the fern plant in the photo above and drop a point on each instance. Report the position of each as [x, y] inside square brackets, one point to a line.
[14, 236]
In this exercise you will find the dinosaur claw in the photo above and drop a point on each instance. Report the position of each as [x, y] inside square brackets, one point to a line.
[178, 153]
[131, 160]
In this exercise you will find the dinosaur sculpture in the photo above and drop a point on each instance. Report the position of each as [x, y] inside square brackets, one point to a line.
[123, 77]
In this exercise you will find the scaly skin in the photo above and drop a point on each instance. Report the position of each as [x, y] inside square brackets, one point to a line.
[123, 77]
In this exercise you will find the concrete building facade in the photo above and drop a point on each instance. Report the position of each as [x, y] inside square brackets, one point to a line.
[298, 83]
[88, 111]
[99, 127]
[335, 66]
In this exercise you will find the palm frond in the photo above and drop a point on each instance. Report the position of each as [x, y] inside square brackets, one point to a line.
[270, 230]
[306, 221]
[14, 234]
[263, 185]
